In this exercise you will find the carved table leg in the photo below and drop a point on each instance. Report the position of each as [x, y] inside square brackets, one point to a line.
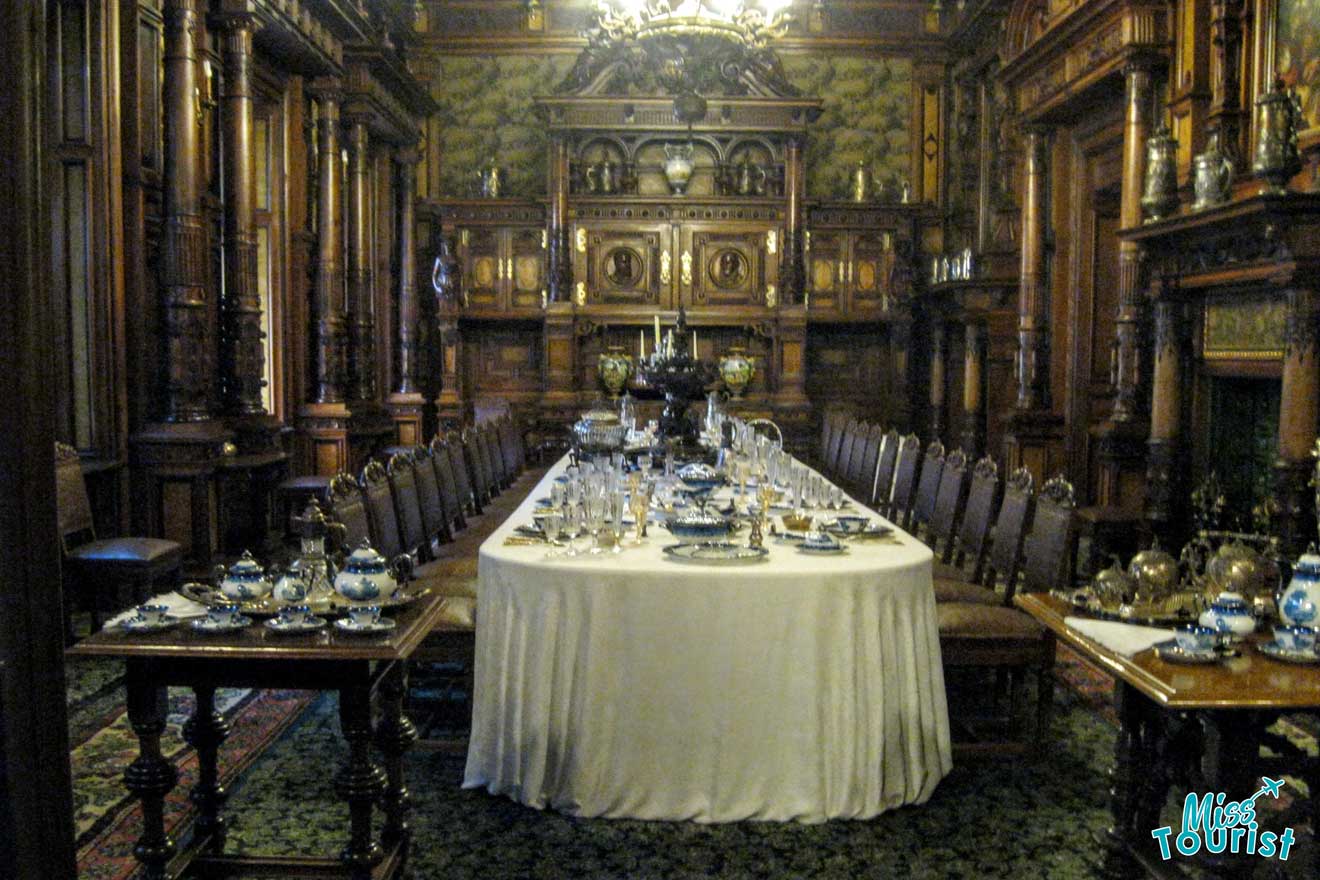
[205, 731]
[395, 735]
[1231, 764]
[360, 782]
[1131, 782]
[151, 776]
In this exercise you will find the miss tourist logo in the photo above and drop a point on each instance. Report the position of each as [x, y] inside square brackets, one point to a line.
[1209, 822]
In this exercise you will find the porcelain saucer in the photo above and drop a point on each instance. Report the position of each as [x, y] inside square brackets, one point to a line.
[349, 625]
[822, 551]
[1171, 653]
[277, 625]
[139, 625]
[235, 623]
[1276, 651]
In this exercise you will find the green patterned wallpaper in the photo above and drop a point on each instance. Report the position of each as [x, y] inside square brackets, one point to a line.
[486, 114]
[866, 118]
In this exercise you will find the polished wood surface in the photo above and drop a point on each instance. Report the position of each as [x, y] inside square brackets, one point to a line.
[1249, 681]
[256, 642]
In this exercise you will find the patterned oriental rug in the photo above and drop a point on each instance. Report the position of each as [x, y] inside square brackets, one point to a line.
[107, 820]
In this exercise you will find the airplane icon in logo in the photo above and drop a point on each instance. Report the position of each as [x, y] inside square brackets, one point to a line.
[1271, 788]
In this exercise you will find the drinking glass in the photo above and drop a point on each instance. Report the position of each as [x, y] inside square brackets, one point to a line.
[552, 524]
[640, 504]
[572, 527]
[836, 497]
[595, 510]
[644, 463]
[617, 507]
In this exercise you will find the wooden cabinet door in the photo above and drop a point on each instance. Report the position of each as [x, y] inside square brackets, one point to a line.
[870, 264]
[524, 267]
[826, 271]
[623, 264]
[726, 264]
[482, 261]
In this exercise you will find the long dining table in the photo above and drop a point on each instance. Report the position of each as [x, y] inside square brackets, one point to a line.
[801, 687]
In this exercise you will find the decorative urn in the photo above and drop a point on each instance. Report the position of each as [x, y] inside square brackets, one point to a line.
[1212, 175]
[366, 576]
[1300, 603]
[863, 183]
[678, 167]
[1230, 615]
[1154, 574]
[614, 366]
[244, 580]
[1159, 197]
[736, 369]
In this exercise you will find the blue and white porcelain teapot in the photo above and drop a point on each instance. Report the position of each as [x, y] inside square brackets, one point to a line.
[244, 580]
[367, 576]
[1229, 615]
[1300, 604]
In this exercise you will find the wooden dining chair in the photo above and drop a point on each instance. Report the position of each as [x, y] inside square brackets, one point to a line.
[349, 509]
[832, 454]
[386, 535]
[850, 431]
[96, 569]
[882, 490]
[499, 476]
[857, 461]
[437, 525]
[401, 471]
[478, 467]
[1004, 639]
[443, 463]
[950, 496]
[905, 481]
[952, 584]
[928, 484]
[828, 427]
[463, 477]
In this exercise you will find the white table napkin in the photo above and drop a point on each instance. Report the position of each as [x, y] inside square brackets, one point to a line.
[180, 606]
[1121, 638]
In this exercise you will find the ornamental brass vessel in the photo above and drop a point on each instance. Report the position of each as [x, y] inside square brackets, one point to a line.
[1277, 158]
[1159, 197]
[1212, 175]
[863, 183]
[614, 366]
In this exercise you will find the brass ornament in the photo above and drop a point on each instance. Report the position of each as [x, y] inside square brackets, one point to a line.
[1277, 159]
[1159, 197]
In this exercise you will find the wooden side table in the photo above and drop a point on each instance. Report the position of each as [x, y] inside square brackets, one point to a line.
[1201, 725]
[368, 671]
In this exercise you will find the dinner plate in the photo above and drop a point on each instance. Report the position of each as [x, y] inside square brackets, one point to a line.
[1276, 651]
[716, 553]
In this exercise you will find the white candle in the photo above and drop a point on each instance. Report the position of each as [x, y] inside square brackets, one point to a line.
[669, 343]
[694, 343]
[641, 345]
[657, 332]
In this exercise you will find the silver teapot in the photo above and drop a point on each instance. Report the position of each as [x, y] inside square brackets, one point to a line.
[1154, 574]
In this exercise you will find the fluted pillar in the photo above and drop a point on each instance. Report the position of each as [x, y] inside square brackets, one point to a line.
[560, 287]
[937, 369]
[1033, 290]
[794, 277]
[189, 340]
[329, 306]
[361, 307]
[974, 353]
[413, 415]
[244, 354]
[1164, 465]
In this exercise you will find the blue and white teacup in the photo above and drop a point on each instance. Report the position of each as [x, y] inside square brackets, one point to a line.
[222, 615]
[1196, 639]
[820, 541]
[295, 615]
[153, 614]
[851, 525]
[364, 615]
[1296, 638]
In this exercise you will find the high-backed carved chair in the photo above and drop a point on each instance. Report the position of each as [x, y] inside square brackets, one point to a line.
[402, 473]
[349, 509]
[463, 478]
[850, 432]
[928, 484]
[883, 488]
[478, 467]
[96, 567]
[438, 527]
[835, 449]
[508, 437]
[949, 500]
[905, 480]
[443, 463]
[858, 461]
[1004, 639]
[828, 427]
[386, 535]
[499, 476]
[973, 536]
[1010, 531]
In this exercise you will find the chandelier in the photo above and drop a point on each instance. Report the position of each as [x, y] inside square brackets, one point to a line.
[748, 24]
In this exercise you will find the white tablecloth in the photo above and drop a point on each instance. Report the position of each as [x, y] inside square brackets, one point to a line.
[803, 687]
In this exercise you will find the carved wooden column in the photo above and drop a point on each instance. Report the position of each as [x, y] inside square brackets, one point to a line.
[189, 343]
[361, 307]
[974, 354]
[1119, 447]
[794, 275]
[178, 458]
[407, 403]
[1033, 289]
[560, 254]
[1164, 466]
[330, 349]
[1227, 114]
[1299, 418]
[937, 355]
[244, 362]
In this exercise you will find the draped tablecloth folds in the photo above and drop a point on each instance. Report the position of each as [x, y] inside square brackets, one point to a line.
[800, 688]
